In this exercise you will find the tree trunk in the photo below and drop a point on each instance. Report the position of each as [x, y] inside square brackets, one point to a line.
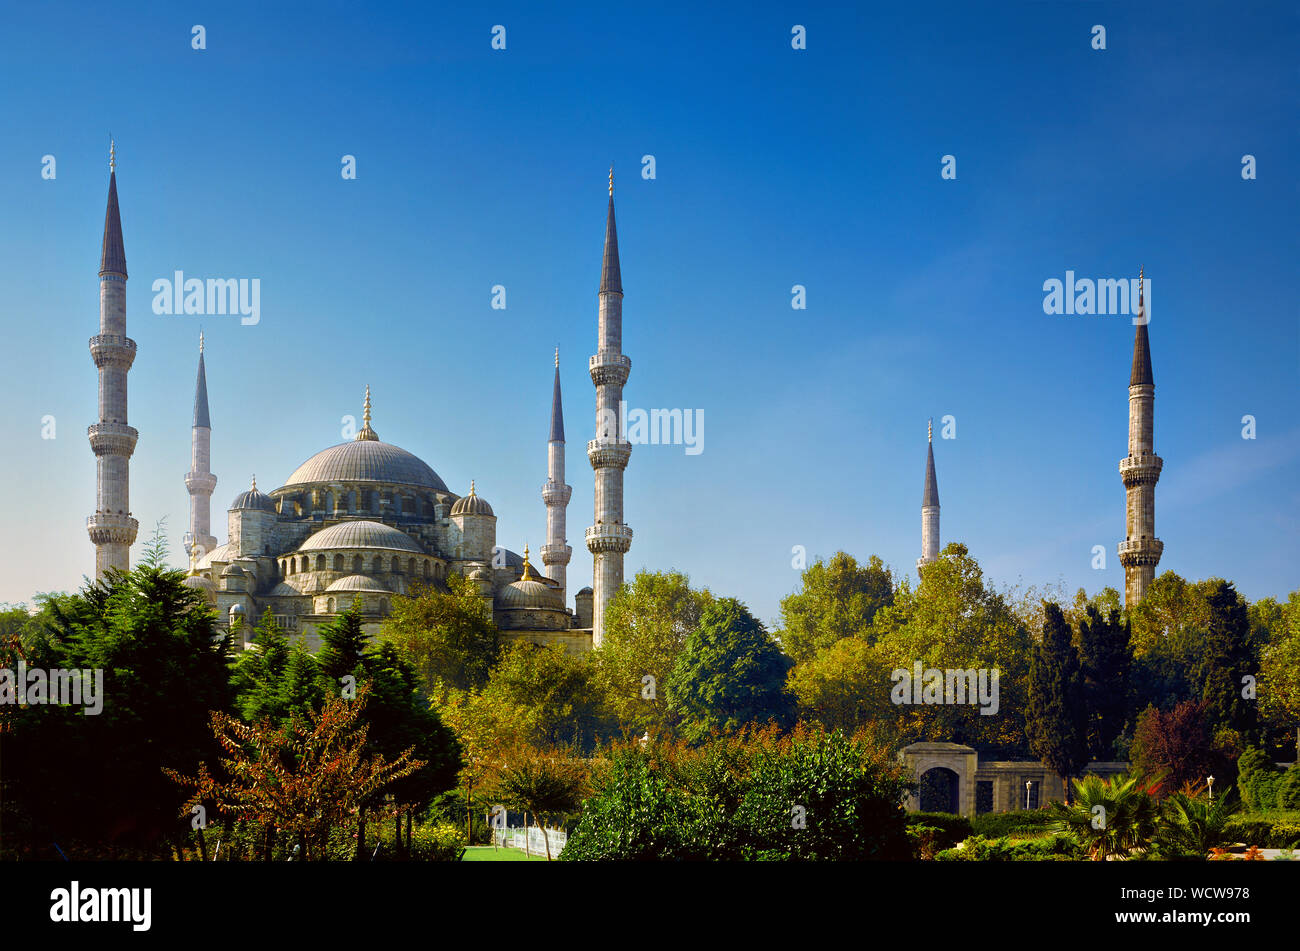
[361, 835]
[397, 831]
[203, 845]
[266, 847]
[545, 840]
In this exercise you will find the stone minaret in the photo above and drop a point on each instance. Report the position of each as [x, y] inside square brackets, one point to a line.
[929, 509]
[609, 539]
[111, 528]
[1140, 550]
[555, 553]
[199, 480]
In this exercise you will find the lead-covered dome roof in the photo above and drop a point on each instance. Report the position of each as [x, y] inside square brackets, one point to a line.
[361, 533]
[252, 498]
[366, 459]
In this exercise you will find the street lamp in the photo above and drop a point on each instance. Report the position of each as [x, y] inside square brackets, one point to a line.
[1210, 780]
[1028, 785]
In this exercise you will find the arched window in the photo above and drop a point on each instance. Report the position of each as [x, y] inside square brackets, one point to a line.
[410, 567]
[320, 562]
[338, 562]
[357, 565]
[330, 605]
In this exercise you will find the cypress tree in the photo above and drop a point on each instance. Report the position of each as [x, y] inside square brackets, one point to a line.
[1055, 720]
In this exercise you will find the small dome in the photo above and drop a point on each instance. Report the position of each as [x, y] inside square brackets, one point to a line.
[361, 534]
[233, 571]
[203, 584]
[529, 593]
[284, 590]
[358, 583]
[588, 590]
[237, 610]
[222, 553]
[253, 499]
[471, 504]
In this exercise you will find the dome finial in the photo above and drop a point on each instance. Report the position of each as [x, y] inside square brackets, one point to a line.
[194, 560]
[366, 431]
[471, 488]
[254, 486]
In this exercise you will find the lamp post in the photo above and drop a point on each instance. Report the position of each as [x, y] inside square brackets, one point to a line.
[1028, 785]
[1210, 780]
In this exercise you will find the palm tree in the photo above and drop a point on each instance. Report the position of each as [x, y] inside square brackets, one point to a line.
[1108, 817]
[1193, 824]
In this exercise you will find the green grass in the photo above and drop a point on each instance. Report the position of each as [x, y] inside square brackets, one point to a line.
[486, 853]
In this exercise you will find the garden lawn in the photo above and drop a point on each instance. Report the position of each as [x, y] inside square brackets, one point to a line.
[486, 853]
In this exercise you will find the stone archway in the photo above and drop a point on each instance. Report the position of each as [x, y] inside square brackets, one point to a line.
[939, 790]
[954, 767]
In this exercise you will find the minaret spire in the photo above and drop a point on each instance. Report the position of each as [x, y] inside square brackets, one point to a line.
[199, 481]
[556, 553]
[610, 538]
[1140, 551]
[112, 530]
[929, 506]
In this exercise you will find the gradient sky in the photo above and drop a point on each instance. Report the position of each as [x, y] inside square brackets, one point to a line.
[775, 167]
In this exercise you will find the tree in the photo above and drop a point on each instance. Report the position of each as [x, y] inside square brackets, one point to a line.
[845, 686]
[546, 784]
[1173, 748]
[1279, 671]
[954, 621]
[1192, 823]
[1106, 659]
[1056, 720]
[303, 780]
[1108, 817]
[838, 599]
[164, 667]
[551, 693]
[343, 644]
[730, 673]
[646, 626]
[1225, 661]
[259, 673]
[449, 637]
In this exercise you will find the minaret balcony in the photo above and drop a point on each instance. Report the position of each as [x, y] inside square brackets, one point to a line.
[609, 538]
[556, 493]
[112, 350]
[106, 529]
[608, 453]
[1140, 551]
[609, 368]
[556, 554]
[112, 439]
[1140, 470]
[200, 483]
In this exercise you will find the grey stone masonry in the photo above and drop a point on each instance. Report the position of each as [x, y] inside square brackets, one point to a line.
[1140, 550]
[609, 538]
[112, 530]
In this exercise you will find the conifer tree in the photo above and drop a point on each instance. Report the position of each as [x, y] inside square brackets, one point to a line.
[1106, 656]
[1055, 721]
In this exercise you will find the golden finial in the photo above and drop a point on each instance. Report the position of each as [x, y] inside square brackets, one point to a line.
[557, 358]
[611, 179]
[930, 430]
[366, 414]
[471, 488]
[194, 560]
[112, 154]
[254, 488]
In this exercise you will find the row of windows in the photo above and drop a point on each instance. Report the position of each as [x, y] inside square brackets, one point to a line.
[353, 504]
[359, 565]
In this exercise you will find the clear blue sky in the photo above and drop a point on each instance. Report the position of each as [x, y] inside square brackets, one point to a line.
[775, 167]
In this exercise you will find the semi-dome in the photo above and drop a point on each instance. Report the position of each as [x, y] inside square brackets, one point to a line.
[471, 504]
[358, 583]
[361, 533]
[221, 553]
[253, 499]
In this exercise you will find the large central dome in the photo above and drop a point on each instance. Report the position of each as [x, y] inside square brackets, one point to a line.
[366, 460]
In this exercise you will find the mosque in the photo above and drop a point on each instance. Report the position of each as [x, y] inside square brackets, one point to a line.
[366, 520]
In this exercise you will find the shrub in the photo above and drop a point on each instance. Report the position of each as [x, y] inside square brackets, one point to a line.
[932, 832]
[1266, 832]
[1288, 788]
[978, 848]
[995, 824]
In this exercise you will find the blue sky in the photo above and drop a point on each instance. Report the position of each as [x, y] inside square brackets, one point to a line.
[774, 167]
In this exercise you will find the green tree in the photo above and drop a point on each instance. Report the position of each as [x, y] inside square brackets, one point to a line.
[1106, 658]
[1191, 823]
[1279, 671]
[545, 784]
[730, 673]
[646, 626]
[259, 674]
[343, 644]
[556, 700]
[1108, 817]
[845, 686]
[1225, 660]
[1056, 718]
[838, 599]
[449, 637]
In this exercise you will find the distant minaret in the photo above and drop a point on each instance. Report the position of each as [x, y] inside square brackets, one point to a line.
[555, 553]
[199, 480]
[1140, 551]
[929, 508]
[609, 539]
[111, 528]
